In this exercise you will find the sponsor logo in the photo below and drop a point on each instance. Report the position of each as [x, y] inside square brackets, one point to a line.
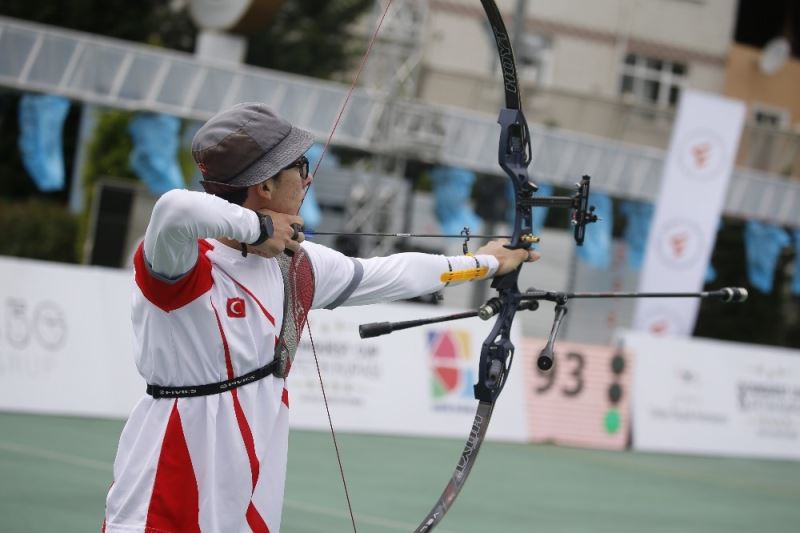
[662, 321]
[472, 444]
[451, 358]
[27, 325]
[203, 168]
[702, 155]
[680, 243]
[506, 60]
[236, 308]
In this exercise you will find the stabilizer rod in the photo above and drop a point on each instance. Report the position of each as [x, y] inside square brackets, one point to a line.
[726, 295]
[528, 301]
[376, 329]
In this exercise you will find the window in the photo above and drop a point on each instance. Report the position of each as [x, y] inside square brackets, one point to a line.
[535, 59]
[769, 116]
[652, 81]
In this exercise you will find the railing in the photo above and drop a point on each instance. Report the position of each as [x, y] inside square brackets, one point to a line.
[116, 73]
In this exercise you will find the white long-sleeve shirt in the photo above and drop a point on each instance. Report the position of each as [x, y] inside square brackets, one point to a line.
[181, 217]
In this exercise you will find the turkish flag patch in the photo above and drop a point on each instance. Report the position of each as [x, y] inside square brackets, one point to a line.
[235, 308]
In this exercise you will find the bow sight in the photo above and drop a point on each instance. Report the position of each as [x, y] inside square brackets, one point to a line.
[582, 212]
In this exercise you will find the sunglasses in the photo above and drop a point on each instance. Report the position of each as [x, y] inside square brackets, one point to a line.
[302, 164]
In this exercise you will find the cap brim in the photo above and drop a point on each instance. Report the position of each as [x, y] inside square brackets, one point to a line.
[270, 164]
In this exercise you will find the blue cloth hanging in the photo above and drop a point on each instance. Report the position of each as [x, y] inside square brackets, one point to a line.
[596, 249]
[154, 158]
[711, 274]
[41, 124]
[310, 210]
[763, 244]
[451, 189]
[638, 217]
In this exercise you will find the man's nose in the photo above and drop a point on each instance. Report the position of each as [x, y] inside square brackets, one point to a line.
[309, 180]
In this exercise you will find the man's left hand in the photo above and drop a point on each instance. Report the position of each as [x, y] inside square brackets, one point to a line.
[509, 259]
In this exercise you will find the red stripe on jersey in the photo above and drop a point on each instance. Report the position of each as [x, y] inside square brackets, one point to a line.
[247, 437]
[174, 504]
[171, 296]
[228, 361]
[244, 426]
[255, 521]
[285, 397]
[253, 296]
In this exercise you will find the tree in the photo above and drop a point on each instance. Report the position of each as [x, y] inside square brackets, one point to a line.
[154, 22]
[310, 37]
[307, 37]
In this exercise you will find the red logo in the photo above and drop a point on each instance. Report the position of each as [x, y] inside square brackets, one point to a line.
[659, 328]
[202, 167]
[678, 243]
[701, 153]
[235, 308]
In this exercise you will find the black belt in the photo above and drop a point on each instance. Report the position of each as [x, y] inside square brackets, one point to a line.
[188, 391]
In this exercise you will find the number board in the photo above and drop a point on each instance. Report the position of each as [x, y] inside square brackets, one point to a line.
[583, 400]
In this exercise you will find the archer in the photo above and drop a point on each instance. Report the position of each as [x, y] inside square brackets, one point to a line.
[224, 282]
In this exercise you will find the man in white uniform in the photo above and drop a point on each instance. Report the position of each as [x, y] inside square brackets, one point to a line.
[223, 286]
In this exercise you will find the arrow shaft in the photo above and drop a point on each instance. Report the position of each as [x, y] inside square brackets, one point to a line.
[404, 235]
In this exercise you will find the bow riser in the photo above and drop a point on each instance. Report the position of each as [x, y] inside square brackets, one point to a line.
[514, 149]
[497, 352]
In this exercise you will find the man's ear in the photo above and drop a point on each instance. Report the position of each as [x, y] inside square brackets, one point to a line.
[263, 190]
[257, 194]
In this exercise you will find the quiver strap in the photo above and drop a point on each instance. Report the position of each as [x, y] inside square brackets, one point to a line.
[298, 295]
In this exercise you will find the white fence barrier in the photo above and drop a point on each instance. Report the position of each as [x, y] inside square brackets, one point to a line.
[66, 348]
[718, 398]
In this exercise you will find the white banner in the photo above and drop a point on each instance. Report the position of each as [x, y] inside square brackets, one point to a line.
[693, 188]
[412, 382]
[718, 398]
[66, 345]
[66, 348]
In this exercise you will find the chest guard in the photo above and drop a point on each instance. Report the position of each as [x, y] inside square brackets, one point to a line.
[298, 295]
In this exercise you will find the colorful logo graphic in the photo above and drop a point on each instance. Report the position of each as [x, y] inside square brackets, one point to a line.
[451, 358]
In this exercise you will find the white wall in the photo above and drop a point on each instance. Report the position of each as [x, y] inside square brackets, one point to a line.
[588, 38]
[701, 26]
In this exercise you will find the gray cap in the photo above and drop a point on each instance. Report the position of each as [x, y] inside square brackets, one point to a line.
[247, 144]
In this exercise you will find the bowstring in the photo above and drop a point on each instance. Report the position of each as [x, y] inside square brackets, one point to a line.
[308, 325]
[349, 93]
[330, 424]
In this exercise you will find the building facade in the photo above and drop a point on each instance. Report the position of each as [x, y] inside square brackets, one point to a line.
[616, 68]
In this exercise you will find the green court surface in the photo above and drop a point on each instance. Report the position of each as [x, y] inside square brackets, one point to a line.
[54, 473]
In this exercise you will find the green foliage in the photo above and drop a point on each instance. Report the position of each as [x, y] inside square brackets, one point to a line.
[149, 21]
[107, 156]
[310, 37]
[307, 37]
[110, 148]
[38, 229]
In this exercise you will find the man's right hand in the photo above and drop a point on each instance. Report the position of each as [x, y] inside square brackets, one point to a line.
[282, 238]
